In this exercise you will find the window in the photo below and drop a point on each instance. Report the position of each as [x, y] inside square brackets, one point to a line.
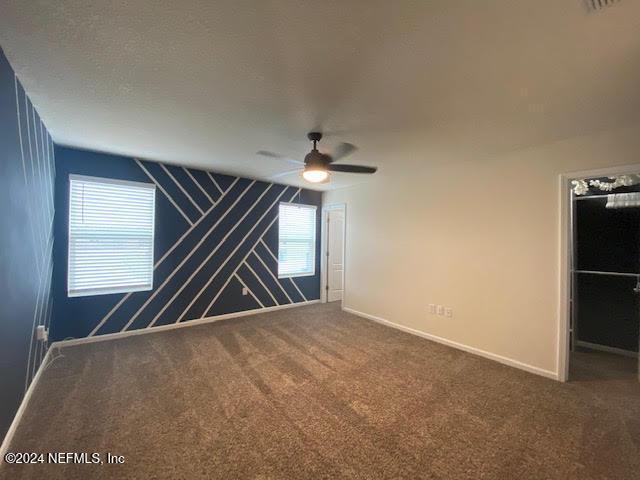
[111, 225]
[296, 240]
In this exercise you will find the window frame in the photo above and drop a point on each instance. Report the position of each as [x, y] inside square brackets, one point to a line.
[315, 240]
[115, 289]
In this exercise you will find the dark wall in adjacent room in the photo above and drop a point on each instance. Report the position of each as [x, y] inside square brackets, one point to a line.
[26, 208]
[607, 240]
[213, 234]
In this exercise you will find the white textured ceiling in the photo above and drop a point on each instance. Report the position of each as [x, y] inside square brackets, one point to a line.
[209, 83]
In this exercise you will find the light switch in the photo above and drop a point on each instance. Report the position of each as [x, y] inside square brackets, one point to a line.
[245, 291]
[440, 310]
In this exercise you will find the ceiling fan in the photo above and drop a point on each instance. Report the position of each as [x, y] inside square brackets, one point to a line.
[317, 165]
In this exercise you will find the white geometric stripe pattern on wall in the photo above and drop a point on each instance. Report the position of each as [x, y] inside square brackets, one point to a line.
[38, 167]
[166, 254]
[223, 225]
[157, 291]
[192, 252]
[275, 279]
[161, 188]
[182, 189]
[200, 187]
[237, 276]
[232, 253]
[266, 247]
[184, 235]
[243, 263]
[214, 182]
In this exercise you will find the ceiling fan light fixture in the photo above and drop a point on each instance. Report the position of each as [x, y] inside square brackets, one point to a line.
[318, 166]
[315, 174]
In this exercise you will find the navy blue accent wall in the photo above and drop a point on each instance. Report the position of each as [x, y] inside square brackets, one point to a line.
[214, 235]
[26, 208]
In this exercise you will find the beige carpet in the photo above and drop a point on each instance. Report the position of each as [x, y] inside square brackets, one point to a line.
[313, 392]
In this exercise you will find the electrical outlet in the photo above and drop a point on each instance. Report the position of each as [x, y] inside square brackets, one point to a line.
[448, 312]
[42, 333]
[440, 310]
[432, 308]
[245, 291]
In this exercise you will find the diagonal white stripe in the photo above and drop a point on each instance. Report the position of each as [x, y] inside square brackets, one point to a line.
[299, 291]
[126, 297]
[45, 152]
[53, 158]
[163, 191]
[155, 319]
[190, 254]
[108, 315]
[246, 264]
[182, 188]
[50, 314]
[46, 296]
[272, 275]
[39, 259]
[24, 166]
[187, 232]
[119, 304]
[35, 139]
[34, 210]
[26, 112]
[230, 255]
[186, 170]
[168, 252]
[290, 279]
[44, 168]
[214, 182]
[269, 250]
[45, 207]
[245, 286]
[34, 322]
[240, 264]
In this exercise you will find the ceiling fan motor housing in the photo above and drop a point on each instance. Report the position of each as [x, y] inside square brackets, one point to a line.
[315, 158]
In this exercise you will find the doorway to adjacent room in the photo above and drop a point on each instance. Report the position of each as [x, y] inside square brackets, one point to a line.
[333, 258]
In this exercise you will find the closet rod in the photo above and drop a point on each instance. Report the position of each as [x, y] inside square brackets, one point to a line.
[590, 197]
[619, 274]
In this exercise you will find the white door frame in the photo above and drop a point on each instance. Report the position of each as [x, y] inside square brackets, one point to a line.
[324, 251]
[566, 244]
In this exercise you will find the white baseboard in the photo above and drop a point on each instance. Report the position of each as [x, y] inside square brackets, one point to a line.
[23, 406]
[112, 336]
[173, 326]
[606, 348]
[460, 346]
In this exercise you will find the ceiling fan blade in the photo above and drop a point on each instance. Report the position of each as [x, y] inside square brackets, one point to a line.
[343, 150]
[267, 154]
[350, 168]
[284, 174]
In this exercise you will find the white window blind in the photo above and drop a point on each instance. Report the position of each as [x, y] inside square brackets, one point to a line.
[296, 240]
[111, 226]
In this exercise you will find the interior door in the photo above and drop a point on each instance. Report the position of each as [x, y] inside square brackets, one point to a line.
[335, 254]
[637, 291]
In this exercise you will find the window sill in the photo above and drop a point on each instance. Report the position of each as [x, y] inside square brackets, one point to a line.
[111, 291]
[296, 275]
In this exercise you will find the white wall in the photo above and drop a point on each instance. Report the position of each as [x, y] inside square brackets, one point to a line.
[480, 235]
